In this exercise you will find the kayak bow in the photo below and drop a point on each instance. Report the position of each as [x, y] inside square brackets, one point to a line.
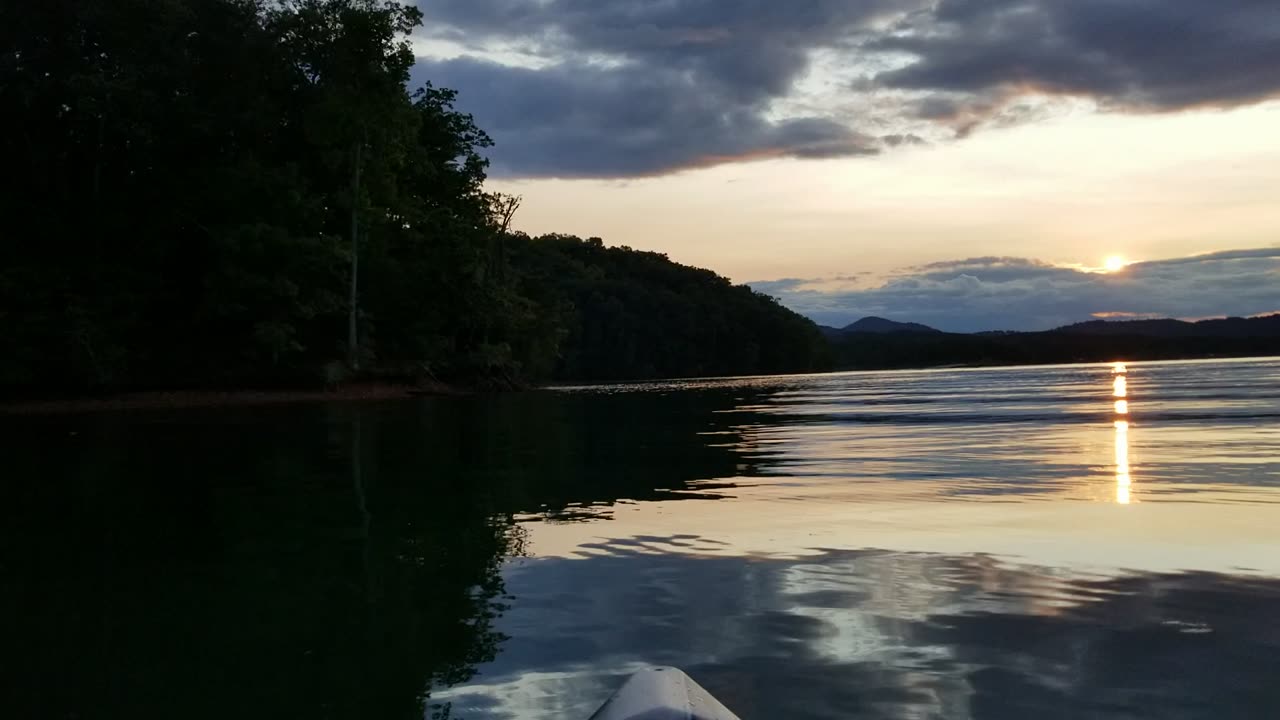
[662, 693]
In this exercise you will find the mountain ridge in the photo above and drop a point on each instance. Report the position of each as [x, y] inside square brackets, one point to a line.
[1091, 341]
[877, 325]
[1228, 327]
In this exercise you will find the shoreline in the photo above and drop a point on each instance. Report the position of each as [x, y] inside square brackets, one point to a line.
[182, 399]
[374, 390]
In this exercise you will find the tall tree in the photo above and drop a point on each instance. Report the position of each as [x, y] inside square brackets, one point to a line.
[355, 58]
[229, 192]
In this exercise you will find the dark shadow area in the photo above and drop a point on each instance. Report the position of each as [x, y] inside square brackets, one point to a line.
[324, 561]
[1077, 344]
[218, 569]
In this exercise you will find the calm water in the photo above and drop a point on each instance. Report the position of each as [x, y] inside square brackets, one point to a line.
[1065, 542]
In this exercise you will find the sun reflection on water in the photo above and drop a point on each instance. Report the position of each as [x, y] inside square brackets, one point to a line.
[1124, 480]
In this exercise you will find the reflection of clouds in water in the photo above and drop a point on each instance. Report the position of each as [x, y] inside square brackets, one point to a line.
[979, 433]
[884, 460]
[879, 635]
[990, 433]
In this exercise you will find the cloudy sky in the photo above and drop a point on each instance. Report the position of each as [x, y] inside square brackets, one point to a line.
[966, 163]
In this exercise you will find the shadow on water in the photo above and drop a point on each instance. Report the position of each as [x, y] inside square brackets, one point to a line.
[565, 457]
[227, 566]
[325, 562]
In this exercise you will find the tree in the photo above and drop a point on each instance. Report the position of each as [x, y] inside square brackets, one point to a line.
[237, 192]
[355, 57]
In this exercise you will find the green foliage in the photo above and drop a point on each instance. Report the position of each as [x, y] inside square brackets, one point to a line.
[197, 181]
[633, 315]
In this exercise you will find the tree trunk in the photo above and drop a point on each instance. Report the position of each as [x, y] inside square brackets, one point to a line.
[353, 337]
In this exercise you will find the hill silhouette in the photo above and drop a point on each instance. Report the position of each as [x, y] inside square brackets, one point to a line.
[882, 325]
[875, 325]
[1234, 327]
[1093, 341]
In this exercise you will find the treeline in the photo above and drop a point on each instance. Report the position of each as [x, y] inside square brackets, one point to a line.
[225, 193]
[627, 314]
[868, 351]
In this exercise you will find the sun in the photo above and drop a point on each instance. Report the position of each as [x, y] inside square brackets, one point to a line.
[1114, 263]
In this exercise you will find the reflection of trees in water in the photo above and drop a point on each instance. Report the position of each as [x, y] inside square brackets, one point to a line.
[234, 566]
[432, 558]
[568, 456]
[288, 562]
[304, 561]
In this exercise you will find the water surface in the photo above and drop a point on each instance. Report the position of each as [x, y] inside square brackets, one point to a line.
[1076, 541]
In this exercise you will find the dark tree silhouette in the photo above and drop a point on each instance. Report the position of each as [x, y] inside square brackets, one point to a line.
[242, 192]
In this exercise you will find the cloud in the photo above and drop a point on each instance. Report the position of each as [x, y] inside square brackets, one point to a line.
[1021, 294]
[576, 120]
[624, 89]
[631, 89]
[975, 57]
[897, 139]
[618, 88]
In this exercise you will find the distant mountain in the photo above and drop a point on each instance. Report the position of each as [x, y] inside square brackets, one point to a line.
[1095, 341]
[882, 326]
[1258, 327]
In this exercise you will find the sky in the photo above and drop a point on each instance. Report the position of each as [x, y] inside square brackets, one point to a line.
[969, 164]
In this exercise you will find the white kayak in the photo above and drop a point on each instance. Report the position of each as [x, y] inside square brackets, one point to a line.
[662, 693]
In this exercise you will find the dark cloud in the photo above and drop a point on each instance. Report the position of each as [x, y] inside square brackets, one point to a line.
[641, 88]
[1018, 294]
[753, 48]
[973, 56]
[576, 119]
[898, 139]
[1259, 253]
[987, 270]
[618, 88]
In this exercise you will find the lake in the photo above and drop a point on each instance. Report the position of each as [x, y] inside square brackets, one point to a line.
[1079, 541]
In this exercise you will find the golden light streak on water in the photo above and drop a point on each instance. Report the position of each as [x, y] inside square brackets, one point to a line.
[1120, 389]
[1124, 481]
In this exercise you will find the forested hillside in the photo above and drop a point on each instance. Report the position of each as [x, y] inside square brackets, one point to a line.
[1087, 342]
[223, 193]
[631, 314]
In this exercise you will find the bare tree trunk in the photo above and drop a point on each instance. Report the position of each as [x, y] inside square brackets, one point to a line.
[507, 207]
[353, 337]
[97, 167]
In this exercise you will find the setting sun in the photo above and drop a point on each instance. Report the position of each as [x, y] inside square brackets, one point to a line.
[1114, 263]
